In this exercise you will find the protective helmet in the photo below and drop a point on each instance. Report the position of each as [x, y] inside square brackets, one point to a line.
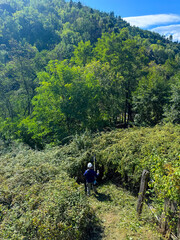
[89, 165]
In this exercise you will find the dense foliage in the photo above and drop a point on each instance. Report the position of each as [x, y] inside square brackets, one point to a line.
[123, 154]
[66, 67]
[40, 198]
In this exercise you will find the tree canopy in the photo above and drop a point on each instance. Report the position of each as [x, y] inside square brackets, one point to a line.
[66, 67]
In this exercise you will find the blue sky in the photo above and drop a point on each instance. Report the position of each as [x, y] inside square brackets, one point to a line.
[160, 16]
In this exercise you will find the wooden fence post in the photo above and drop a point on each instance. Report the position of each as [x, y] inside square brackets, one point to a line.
[164, 221]
[142, 191]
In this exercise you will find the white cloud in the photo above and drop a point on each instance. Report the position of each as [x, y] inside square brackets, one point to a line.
[173, 30]
[150, 20]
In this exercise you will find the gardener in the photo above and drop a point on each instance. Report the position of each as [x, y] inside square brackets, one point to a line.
[90, 176]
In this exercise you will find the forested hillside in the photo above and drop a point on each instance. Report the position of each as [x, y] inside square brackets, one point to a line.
[69, 77]
[66, 67]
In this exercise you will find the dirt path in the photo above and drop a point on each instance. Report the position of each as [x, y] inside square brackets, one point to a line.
[116, 209]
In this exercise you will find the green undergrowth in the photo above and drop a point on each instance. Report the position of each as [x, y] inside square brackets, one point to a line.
[38, 200]
[116, 208]
[125, 153]
[40, 197]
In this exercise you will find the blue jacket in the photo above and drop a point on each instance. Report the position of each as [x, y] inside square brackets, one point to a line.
[90, 175]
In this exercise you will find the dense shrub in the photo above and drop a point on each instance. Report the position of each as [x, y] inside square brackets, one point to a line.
[39, 201]
[40, 198]
[125, 153]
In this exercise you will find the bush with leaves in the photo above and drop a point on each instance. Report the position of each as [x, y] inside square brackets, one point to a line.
[125, 153]
[29, 178]
[39, 201]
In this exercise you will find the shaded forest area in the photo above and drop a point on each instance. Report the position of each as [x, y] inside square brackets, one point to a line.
[66, 67]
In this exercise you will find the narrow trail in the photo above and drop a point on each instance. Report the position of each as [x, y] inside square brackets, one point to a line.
[116, 209]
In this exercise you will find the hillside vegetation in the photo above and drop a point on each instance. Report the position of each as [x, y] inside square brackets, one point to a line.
[76, 83]
[40, 198]
[116, 209]
[65, 68]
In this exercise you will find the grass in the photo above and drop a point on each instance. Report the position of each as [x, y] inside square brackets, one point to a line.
[116, 209]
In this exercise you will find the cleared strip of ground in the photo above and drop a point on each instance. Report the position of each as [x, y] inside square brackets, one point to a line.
[116, 209]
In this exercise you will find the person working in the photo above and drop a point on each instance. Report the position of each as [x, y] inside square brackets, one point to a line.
[90, 176]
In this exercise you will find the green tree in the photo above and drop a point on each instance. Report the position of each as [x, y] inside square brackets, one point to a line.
[172, 111]
[82, 53]
[150, 97]
[60, 104]
[126, 59]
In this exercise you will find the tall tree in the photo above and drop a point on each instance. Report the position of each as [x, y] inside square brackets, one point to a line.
[151, 96]
[172, 110]
[126, 59]
[82, 53]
